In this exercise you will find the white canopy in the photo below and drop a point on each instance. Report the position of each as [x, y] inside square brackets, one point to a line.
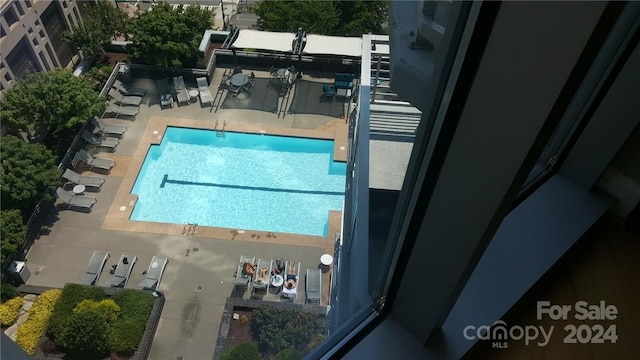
[333, 45]
[264, 40]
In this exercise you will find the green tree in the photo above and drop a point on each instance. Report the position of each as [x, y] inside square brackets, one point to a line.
[12, 231]
[285, 329]
[54, 100]
[333, 17]
[85, 334]
[288, 354]
[165, 37]
[101, 23]
[242, 351]
[29, 172]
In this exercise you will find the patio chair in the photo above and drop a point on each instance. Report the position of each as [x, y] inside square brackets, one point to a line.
[96, 264]
[117, 129]
[166, 98]
[129, 90]
[262, 276]
[328, 91]
[121, 110]
[120, 277]
[92, 162]
[154, 273]
[72, 200]
[313, 286]
[124, 100]
[246, 269]
[205, 93]
[96, 142]
[88, 181]
[181, 90]
[291, 280]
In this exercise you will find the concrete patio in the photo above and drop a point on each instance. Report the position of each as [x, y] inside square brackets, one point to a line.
[200, 273]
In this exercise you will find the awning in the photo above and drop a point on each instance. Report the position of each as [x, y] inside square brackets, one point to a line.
[264, 40]
[333, 45]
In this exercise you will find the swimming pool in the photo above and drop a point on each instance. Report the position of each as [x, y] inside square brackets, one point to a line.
[240, 181]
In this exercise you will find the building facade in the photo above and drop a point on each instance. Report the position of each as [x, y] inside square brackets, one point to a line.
[32, 36]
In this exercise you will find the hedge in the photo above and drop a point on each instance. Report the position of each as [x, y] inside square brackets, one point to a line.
[31, 331]
[71, 296]
[126, 331]
[285, 329]
[242, 351]
[10, 310]
[288, 354]
[8, 292]
[85, 334]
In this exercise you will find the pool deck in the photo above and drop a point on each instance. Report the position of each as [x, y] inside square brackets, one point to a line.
[200, 273]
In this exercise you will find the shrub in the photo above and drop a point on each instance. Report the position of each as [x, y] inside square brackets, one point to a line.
[288, 354]
[242, 351]
[8, 292]
[107, 307]
[283, 329]
[125, 334]
[31, 331]
[126, 331]
[244, 319]
[10, 310]
[85, 333]
[71, 296]
[134, 304]
[12, 232]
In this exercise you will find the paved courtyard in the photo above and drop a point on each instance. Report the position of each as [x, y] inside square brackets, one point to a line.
[200, 273]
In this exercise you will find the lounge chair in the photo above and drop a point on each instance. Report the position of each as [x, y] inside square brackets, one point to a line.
[129, 90]
[262, 276]
[181, 90]
[96, 142]
[291, 276]
[92, 162]
[154, 273]
[73, 200]
[166, 98]
[121, 110]
[124, 100]
[205, 93]
[96, 264]
[246, 269]
[88, 181]
[328, 91]
[116, 129]
[120, 277]
[313, 286]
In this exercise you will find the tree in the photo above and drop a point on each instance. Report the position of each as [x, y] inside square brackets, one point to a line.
[101, 23]
[12, 231]
[54, 100]
[85, 334]
[29, 172]
[340, 18]
[284, 329]
[165, 37]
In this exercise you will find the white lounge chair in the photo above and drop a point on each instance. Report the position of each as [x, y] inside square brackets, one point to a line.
[88, 181]
[154, 273]
[124, 100]
[120, 277]
[205, 93]
[73, 200]
[96, 142]
[181, 90]
[129, 90]
[291, 272]
[92, 162]
[121, 110]
[115, 129]
[313, 286]
[96, 264]
[262, 276]
[243, 276]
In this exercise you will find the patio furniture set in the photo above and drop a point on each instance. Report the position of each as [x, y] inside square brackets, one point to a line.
[182, 93]
[284, 276]
[122, 271]
[342, 86]
[283, 78]
[239, 82]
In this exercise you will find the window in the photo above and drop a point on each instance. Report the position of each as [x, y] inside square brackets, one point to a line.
[35, 42]
[76, 14]
[28, 3]
[22, 59]
[53, 20]
[7, 77]
[64, 4]
[10, 16]
[50, 52]
[37, 22]
[30, 30]
[19, 7]
[70, 20]
[44, 61]
[41, 33]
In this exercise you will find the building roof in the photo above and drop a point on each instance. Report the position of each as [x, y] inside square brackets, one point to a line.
[333, 45]
[264, 40]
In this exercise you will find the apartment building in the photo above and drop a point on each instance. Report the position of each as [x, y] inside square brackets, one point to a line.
[32, 36]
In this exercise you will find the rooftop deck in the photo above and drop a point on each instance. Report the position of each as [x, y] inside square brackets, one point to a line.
[200, 273]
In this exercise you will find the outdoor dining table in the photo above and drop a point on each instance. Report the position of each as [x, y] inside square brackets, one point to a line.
[239, 79]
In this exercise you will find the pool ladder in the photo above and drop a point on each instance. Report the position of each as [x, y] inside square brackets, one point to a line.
[189, 229]
[220, 133]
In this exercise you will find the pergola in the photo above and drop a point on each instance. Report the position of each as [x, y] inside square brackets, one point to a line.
[333, 45]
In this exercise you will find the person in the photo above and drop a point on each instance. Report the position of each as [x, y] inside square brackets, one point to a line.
[291, 276]
[262, 276]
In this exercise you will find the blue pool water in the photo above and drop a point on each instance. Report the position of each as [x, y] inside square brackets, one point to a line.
[240, 181]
